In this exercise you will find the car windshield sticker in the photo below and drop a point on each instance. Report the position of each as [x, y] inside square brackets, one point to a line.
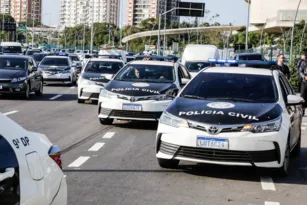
[220, 105]
[140, 84]
[136, 89]
[216, 112]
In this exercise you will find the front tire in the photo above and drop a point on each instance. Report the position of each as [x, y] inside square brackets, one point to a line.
[168, 163]
[105, 121]
[26, 94]
[80, 101]
[284, 170]
[41, 90]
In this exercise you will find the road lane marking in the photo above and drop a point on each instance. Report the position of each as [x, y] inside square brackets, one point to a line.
[304, 123]
[73, 87]
[271, 203]
[10, 113]
[267, 183]
[78, 162]
[303, 128]
[96, 147]
[55, 97]
[108, 135]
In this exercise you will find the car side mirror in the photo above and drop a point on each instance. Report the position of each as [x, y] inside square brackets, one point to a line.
[172, 93]
[293, 100]
[184, 81]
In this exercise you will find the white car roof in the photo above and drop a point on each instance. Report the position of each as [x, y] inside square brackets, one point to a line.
[151, 62]
[240, 70]
[106, 60]
[57, 57]
[10, 44]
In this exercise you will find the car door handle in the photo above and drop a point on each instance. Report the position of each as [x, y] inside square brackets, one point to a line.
[9, 173]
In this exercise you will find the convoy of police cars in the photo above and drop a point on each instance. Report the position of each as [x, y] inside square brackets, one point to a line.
[237, 115]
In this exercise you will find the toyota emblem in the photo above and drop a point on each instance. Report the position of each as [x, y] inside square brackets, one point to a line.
[213, 130]
[132, 99]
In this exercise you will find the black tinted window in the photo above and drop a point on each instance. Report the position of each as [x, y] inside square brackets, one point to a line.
[250, 57]
[74, 58]
[258, 88]
[31, 52]
[55, 62]
[38, 57]
[196, 66]
[103, 67]
[11, 49]
[13, 64]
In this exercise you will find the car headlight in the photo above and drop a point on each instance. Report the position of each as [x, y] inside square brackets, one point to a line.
[161, 97]
[15, 80]
[173, 121]
[269, 126]
[86, 82]
[107, 94]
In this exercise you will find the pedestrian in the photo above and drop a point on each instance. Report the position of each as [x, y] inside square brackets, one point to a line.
[302, 59]
[303, 78]
[282, 66]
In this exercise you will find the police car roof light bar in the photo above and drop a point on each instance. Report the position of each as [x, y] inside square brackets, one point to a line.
[161, 58]
[242, 63]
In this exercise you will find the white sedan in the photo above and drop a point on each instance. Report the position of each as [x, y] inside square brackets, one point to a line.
[30, 168]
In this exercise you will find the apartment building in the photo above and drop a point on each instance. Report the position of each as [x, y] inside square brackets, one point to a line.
[75, 12]
[5, 6]
[21, 10]
[138, 10]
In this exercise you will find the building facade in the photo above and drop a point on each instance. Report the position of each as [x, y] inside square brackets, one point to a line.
[21, 10]
[75, 12]
[5, 6]
[274, 15]
[138, 10]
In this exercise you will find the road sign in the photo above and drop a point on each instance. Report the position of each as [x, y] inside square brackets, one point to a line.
[190, 9]
[8, 26]
[22, 29]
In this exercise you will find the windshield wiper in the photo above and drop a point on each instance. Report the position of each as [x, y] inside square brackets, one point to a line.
[233, 99]
[194, 97]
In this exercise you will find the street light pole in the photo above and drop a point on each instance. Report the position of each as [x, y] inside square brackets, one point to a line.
[164, 42]
[2, 37]
[292, 36]
[247, 25]
[92, 27]
[159, 31]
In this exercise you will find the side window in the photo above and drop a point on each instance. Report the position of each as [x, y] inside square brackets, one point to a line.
[283, 89]
[287, 84]
[185, 72]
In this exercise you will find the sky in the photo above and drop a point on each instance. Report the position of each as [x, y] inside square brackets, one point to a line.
[230, 11]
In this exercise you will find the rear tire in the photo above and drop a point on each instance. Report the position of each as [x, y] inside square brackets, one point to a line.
[168, 163]
[105, 121]
[80, 101]
[284, 170]
[41, 90]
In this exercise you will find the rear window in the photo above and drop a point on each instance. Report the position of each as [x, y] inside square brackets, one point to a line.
[55, 62]
[74, 58]
[196, 66]
[250, 57]
[228, 86]
[103, 67]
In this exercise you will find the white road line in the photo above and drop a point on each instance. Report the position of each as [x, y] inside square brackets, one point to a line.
[55, 97]
[304, 123]
[267, 183]
[10, 113]
[108, 135]
[96, 147]
[271, 203]
[303, 128]
[73, 87]
[78, 162]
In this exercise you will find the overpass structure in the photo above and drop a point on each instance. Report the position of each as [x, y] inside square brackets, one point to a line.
[181, 31]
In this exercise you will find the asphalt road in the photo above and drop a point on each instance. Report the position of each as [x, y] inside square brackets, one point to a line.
[117, 165]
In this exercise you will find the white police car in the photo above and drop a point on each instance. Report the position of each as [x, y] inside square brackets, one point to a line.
[58, 69]
[95, 75]
[30, 167]
[232, 116]
[141, 90]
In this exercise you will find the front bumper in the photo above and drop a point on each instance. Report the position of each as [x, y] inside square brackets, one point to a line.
[89, 92]
[113, 108]
[245, 148]
[12, 88]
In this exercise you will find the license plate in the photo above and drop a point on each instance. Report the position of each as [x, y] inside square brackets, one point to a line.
[1, 87]
[134, 107]
[213, 143]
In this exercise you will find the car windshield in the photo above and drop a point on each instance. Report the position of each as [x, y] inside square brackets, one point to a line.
[233, 87]
[196, 66]
[11, 49]
[147, 73]
[103, 67]
[38, 57]
[74, 58]
[55, 62]
[13, 64]
[250, 57]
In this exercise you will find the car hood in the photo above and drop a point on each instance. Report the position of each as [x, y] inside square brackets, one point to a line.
[10, 74]
[223, 112]
[138, 88]
[97, 77]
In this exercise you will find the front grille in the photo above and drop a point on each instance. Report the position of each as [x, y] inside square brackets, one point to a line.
[204, 128]
[232, 129]
[168, 148]
[95, 95]
[227, 155]
[136, 114]
[5, 81]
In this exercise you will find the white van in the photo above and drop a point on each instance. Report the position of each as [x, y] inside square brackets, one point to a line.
[195, 57]
[10, 48]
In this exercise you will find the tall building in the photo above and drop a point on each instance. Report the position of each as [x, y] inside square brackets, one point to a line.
[21, 8]
[139, 10]
[74, 12]
[5, 6]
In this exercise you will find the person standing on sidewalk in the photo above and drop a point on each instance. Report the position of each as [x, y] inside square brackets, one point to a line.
[303, 79]
[282, 66]
[303, 58]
